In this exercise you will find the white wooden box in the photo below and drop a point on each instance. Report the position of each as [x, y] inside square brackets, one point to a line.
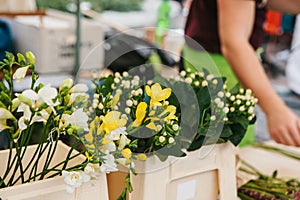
[52, 188]
[52, 39]
[208, 174]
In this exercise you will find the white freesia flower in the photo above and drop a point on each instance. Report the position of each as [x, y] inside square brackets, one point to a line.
[4, 115]
[79, 88]
[74, 180]
[45, 95]
[42, 116]
[115, 134]
[111, 146]
[93, 170]
[15, 104]
[20, 73]
[76, 119]
[109, 164]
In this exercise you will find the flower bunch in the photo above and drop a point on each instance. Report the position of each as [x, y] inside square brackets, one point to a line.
[224, 114]
[38, 115]
[268, 186]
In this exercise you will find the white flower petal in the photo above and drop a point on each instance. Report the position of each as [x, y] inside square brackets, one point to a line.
[20, 73]
[79, 88]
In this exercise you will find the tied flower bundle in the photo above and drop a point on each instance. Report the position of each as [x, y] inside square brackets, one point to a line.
[39, 115]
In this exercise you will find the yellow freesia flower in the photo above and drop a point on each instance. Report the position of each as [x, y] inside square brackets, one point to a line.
[171, 110]
[157, 94]
[88, 156]
[141, 157]
[140, 114]
[126, 153]
[115, 100]
[111, 121]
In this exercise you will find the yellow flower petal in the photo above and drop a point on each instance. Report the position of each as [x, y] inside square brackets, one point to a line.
[157, 94]
[140, 114]
[112, 120]
[115, 100]
[171, 110]
[152, 126]
[141, 157]
[126, 153]
[148, 90]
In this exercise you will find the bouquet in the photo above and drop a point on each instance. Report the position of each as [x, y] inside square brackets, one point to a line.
[118, 119]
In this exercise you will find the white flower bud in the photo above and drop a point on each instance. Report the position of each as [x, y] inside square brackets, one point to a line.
[242, 108]
[171, 140]
[251, 110]
[204, 83]
[220, 94]
[209, 77]
[197, 83]
[125, 74]
[221, 104]
[95, 105]
[189, 80]
[116, 80]
[129, 103]
[100, 106]
[213, 118]
[232, 98]
[217, 100]
[225, 110]
[215, 82]
[175, 127]
[96, 96]
[161, 139]
[201, 74]
[158, 127]
[127, 110]
[182, 73]
[135, 102]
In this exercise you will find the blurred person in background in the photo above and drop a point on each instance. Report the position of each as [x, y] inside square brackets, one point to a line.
[231, 31]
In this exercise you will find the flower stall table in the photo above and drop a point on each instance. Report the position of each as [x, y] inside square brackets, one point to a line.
[202, 174]
[52, 188]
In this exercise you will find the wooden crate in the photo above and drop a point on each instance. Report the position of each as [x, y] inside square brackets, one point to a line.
[52, 188]
[266, 162]
[208, 174]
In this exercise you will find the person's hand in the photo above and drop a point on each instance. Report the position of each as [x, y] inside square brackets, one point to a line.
[284, 126]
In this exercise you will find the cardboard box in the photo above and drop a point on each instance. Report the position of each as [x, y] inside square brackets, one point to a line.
[52, 38]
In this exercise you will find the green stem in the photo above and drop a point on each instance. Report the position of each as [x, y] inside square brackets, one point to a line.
[57, 165]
